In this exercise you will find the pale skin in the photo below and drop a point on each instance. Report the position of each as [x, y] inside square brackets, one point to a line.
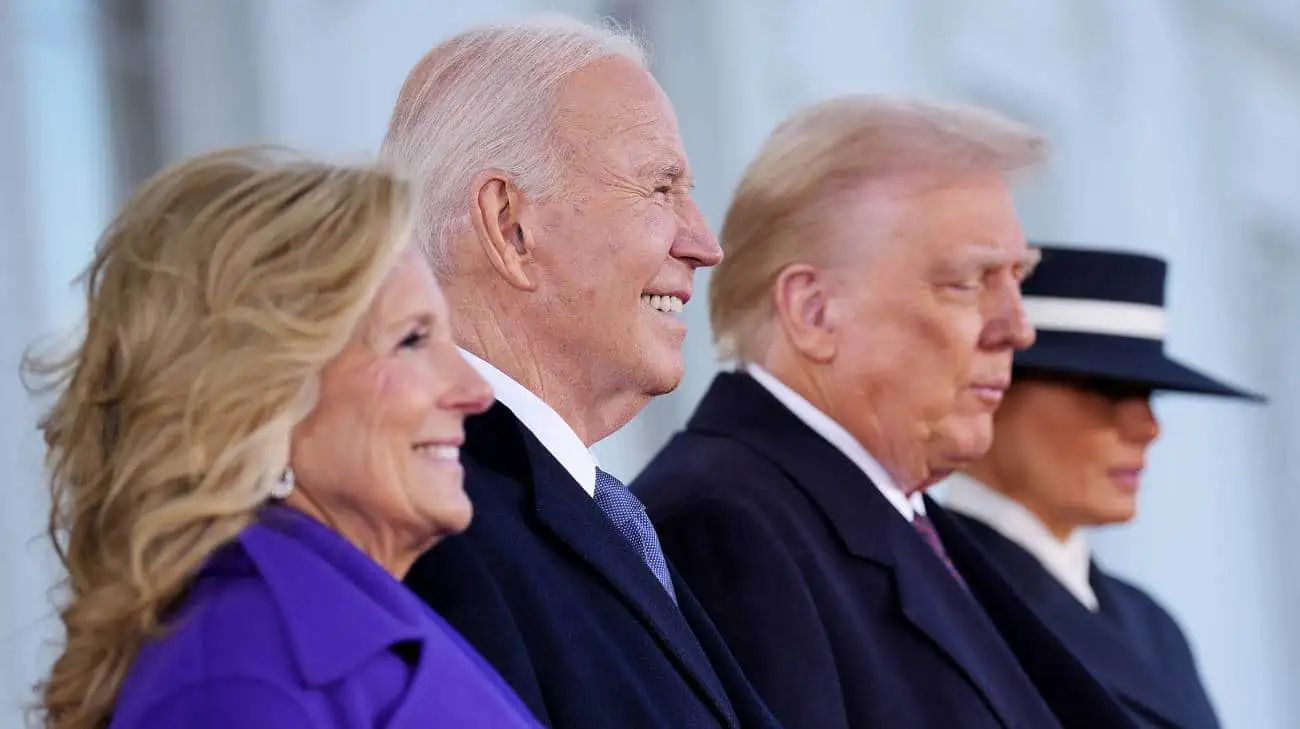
[554, 293]
[903, 331]
[1072, 452]
[378, 459]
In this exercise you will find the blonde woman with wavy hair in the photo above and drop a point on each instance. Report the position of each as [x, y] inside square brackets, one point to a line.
[255, 437]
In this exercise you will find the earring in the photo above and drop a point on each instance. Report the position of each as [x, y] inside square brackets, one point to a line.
[283, 486]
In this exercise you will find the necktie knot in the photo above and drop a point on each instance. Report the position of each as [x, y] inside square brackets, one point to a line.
[616, 500]
[629, 517]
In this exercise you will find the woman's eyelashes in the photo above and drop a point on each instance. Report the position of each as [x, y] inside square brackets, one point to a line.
[414, 339]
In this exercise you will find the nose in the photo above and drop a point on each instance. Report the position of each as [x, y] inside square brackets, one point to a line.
[1008, 325]
[695, 244]
[1137, 420]
[1022, 331]
[467, 392]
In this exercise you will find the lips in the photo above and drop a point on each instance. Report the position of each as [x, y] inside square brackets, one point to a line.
[990, 392]
[1128, 478]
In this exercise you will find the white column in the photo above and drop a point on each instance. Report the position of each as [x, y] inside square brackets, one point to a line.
[206, 70]
[329, 72]
[25, 569]
[1197, 542]
[1256, 113]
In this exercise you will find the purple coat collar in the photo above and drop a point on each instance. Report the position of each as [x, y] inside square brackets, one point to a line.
[330, 633]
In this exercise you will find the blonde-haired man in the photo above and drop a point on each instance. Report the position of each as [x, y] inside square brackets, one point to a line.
[870, 292]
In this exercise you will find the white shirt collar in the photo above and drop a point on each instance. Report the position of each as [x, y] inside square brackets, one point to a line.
[557, 436]
[836, 435]
[1070, 562]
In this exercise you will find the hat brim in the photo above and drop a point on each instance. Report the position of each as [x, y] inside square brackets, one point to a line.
[1131, 366]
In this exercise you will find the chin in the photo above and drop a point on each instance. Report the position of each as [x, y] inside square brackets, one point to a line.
[454, 518]
[448, 510]
[969, 441]
[664, 374]
[1106, 510]
[1122, 511]
[666, 385]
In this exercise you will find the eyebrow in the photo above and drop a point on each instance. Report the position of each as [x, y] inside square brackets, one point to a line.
[674, 172]
[426, 319]
[1028, 261]
[376, 332]
[1031, 259]
[988, 260]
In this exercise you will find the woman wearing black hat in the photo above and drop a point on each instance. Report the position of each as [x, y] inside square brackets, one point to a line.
[1071, 440]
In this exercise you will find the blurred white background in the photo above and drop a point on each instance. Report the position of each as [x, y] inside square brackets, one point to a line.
[1176, 126]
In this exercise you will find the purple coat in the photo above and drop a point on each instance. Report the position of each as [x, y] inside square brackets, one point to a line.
[291, 626]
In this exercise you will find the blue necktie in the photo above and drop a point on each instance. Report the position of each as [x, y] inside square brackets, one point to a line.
[626, 511]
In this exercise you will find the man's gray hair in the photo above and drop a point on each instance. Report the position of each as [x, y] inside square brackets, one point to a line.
[485, 99]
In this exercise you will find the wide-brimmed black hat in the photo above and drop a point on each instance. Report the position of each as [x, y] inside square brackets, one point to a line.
[1101, 315]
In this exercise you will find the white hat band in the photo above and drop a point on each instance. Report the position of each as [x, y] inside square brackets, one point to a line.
[1091, 316]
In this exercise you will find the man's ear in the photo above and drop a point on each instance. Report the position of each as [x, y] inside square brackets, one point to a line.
[805, 308]
[497, 218]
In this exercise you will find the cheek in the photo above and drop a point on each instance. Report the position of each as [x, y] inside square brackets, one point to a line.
[572, 251]
[1065, 433]
[1062, 459]
[330, 446]
[405, 397]
[631, 251]
[1048, 435]
[624, 247]
[959, 335]
[660, 224]
[939, 353]
[647, 243]
[887, 355]
[898, 346]
[947, 331]
[376, 414]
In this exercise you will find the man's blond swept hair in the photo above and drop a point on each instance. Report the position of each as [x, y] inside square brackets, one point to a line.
[816, 156]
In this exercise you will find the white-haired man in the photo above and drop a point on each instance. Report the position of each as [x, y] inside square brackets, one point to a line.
[557, 213]
[871, 293]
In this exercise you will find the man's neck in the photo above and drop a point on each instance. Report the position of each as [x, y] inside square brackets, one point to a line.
[591, 411]
[805, 381]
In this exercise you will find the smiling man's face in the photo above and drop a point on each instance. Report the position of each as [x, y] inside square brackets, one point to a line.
[617, 250]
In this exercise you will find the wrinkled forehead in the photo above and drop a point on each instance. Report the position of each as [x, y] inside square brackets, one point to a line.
[616, 108]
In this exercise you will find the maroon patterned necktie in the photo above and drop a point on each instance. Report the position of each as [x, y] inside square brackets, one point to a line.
[926, 529]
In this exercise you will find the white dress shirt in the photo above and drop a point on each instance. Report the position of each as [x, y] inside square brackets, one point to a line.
[835, 434]
[557, 436]
[1070, 562]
